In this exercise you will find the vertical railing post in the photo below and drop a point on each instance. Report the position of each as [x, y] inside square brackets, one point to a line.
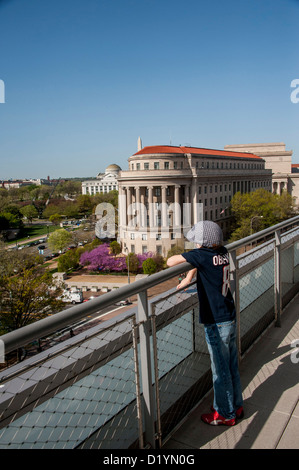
[156, 373]
[235, 290]
[277, 279]
[137, 384]
[146, 369]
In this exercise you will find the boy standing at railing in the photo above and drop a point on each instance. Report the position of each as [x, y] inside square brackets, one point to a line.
[217, 312]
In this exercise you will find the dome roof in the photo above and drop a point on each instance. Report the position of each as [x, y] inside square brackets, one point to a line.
[113, 168]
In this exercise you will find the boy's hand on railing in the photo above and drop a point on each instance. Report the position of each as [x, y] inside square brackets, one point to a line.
[184, 283]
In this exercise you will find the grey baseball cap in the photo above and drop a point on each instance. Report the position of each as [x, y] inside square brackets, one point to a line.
[205, 233]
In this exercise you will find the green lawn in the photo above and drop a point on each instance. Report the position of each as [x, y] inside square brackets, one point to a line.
[35, 230]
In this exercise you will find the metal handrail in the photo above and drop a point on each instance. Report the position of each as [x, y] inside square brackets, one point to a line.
[22, 336]
[263, 233]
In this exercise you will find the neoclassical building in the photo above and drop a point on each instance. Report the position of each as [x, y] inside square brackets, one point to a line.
[104, 182]
[279, 160]
[167, 189]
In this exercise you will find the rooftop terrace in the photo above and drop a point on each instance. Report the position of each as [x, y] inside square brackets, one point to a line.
[142, 379]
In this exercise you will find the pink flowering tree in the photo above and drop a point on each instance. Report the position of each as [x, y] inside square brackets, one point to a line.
[101, 259]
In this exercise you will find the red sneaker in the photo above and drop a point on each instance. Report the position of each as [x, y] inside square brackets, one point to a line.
[239, 412]
[215, 419]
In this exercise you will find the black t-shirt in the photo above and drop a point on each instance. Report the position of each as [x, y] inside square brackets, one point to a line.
[216, 303]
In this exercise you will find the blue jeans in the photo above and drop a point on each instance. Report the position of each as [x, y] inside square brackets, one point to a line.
[221, 341]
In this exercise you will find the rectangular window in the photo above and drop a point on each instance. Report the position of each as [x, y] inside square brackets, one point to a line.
[156, 165]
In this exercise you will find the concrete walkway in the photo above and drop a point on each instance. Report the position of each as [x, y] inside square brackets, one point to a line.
[270, 380]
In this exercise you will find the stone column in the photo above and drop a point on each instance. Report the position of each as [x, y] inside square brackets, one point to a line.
[194, 201]
[150, 206]
[137, 206]
[122, 207]
[187, 194]
[164, 207]
[143, 210]
[177, 206]
[129, 202]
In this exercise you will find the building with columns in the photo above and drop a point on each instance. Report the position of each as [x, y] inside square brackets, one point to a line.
[167, 189]
[104, 182]
[279, 160]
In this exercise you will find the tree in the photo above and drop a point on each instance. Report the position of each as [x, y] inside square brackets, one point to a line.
[115, 248]
[70, 260]
[175, 250]
[59, 240]
[9, 221]
[27, 297]
[29, 212]
[71, 209]
[259, 209]
[149, 266]
[159, 260]
[132, 262]
[84, 203]
[52, 209]
[12, 262]
[55, 218]
[27, 291]
[101, 259]
[111, 197]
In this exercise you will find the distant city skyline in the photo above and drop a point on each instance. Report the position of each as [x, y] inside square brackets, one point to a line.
[80, 82]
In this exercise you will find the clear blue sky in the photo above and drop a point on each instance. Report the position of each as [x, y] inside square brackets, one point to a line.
[84, 79]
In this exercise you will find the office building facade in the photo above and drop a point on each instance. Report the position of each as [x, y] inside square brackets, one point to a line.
[285, 175]
[167, 189]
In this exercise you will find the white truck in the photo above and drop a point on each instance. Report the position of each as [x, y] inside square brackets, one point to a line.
[74, 297]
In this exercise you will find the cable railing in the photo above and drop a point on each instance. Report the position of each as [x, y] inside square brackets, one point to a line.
[129, 381]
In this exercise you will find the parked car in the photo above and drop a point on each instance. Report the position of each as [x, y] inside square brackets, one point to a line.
[124, 302]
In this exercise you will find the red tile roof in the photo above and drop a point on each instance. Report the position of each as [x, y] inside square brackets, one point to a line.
[156, 149]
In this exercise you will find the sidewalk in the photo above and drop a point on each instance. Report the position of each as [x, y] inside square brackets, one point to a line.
[270, 383]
